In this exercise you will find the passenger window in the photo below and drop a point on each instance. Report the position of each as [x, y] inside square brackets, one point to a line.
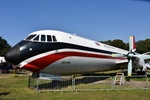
[30, 37]
[36, 38]
[49, 39]
[54, 38]
[42, 37]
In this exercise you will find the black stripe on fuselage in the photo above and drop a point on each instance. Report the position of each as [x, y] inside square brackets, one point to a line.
[30, 48]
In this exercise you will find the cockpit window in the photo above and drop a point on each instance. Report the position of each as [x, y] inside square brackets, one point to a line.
[43, 38]
[36, 38]
[49, 39]
[30, 37]
[54, 38]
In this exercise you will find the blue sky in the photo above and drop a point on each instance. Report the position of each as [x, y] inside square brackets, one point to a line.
[99, 20]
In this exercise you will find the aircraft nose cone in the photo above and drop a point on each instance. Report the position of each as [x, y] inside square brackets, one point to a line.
[13, 55]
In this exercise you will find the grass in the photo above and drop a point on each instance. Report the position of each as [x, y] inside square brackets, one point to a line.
[16, 88]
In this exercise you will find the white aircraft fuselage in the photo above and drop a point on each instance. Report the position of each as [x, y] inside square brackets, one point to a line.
[60, 53]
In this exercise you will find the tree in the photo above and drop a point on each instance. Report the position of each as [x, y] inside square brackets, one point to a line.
[117, 43]
[106, 42]
[143, 46]
[4, 46]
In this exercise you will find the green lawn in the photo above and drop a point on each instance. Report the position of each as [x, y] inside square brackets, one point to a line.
[16, 88]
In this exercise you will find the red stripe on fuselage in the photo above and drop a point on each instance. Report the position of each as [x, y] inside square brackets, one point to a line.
[41, 63]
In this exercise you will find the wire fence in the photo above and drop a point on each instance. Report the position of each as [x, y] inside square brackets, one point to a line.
[63, 84]
[88, 83]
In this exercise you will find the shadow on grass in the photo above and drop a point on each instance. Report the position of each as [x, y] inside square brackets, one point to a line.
[4, 94]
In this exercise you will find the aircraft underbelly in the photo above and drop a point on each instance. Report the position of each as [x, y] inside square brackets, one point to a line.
[79, 65]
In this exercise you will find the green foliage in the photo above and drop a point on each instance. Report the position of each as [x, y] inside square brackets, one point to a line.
[142, 46]
[117, 43]
[4, 46]
[107, 42]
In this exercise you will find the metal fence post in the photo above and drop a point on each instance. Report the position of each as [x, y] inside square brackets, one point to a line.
[147, 83]
[112, 83]
[37, 84]
[73, 82]
[29, 81]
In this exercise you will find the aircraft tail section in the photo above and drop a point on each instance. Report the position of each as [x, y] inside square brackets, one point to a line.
[132, 45]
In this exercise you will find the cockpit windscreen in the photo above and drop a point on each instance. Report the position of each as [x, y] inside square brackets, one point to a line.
[30, 37]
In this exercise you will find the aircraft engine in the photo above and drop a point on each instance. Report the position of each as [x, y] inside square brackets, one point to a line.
[132, 56]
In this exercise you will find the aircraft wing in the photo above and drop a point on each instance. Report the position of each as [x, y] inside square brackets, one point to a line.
[122, 61]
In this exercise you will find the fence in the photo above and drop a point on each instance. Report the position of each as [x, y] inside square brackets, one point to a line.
[63, 84]
[88, 83]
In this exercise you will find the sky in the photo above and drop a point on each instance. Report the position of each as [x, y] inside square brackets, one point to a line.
[99, 20]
